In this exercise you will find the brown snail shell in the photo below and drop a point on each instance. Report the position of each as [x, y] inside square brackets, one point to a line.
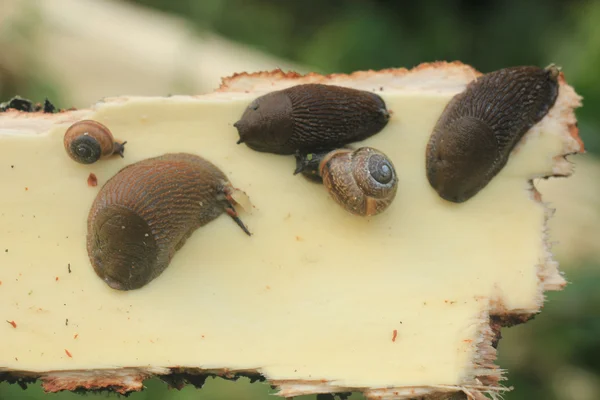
[310, 117]
[144, 214]
[362, 181]
[88, 141]
[479, 128]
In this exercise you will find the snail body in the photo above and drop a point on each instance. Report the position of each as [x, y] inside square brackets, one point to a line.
[479, 128]
[362, 181]
[144, 214]
[88, 141]
[309, 117]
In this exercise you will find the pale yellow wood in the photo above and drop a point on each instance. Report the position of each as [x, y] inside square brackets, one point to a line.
[312, 300]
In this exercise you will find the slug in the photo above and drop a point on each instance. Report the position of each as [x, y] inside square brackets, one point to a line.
[479, 128]
[144, 214]
[309, 117]
[88, 141]
[362, 181]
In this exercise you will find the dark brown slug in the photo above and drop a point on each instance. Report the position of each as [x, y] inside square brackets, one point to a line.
[88, 141]
[145, 213]
[310, 117]
[362, 181]
[479, 128]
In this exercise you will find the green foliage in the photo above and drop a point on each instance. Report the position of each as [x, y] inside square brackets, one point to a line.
[348, 35]
[31, 80]
[213, 389]
[563, 339]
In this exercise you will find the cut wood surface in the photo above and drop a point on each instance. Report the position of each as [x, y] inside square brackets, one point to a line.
[405, 304]
[164, 55]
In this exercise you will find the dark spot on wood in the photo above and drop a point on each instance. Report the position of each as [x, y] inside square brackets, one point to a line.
[19, 103]
[509, 320]
[92, 180]
[49, 107]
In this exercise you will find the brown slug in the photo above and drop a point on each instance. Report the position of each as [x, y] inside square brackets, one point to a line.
[309, 117]
[144, 214]
[362, 181]
[479, 128]
[88, 141]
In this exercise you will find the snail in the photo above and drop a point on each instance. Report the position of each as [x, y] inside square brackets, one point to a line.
[88, 141]
[362, 181]
[479, 128]
[144, 214]
[311, 116]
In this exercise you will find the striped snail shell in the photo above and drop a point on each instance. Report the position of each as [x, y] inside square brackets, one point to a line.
[144, 214]
[88, 141]
[309, 117]
[479, 128]
[362, 181]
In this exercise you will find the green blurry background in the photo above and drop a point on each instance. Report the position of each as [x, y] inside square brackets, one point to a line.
[555, 356]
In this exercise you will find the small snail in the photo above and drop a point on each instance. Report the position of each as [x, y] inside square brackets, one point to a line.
[479, 128]
[88, 141]
[144, 214]
[362, 181]
[311, 116]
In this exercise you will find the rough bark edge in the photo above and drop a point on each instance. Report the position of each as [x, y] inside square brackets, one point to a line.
[437, 76]
[126, 380]
[562, 120]
[434, 74]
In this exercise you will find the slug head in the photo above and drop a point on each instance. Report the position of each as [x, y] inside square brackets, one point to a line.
[122, 249]
[266, 125]
[460, 158]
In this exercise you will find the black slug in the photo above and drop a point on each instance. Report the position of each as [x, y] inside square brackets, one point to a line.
[479, 128]
[310, 117]
[88, 141]
[362, 181]
[145, 213]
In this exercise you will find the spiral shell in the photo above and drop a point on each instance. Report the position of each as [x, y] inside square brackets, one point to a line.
[88, 141]
[144, 214]
[362, 181]
[310, 117]
[479, 128]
